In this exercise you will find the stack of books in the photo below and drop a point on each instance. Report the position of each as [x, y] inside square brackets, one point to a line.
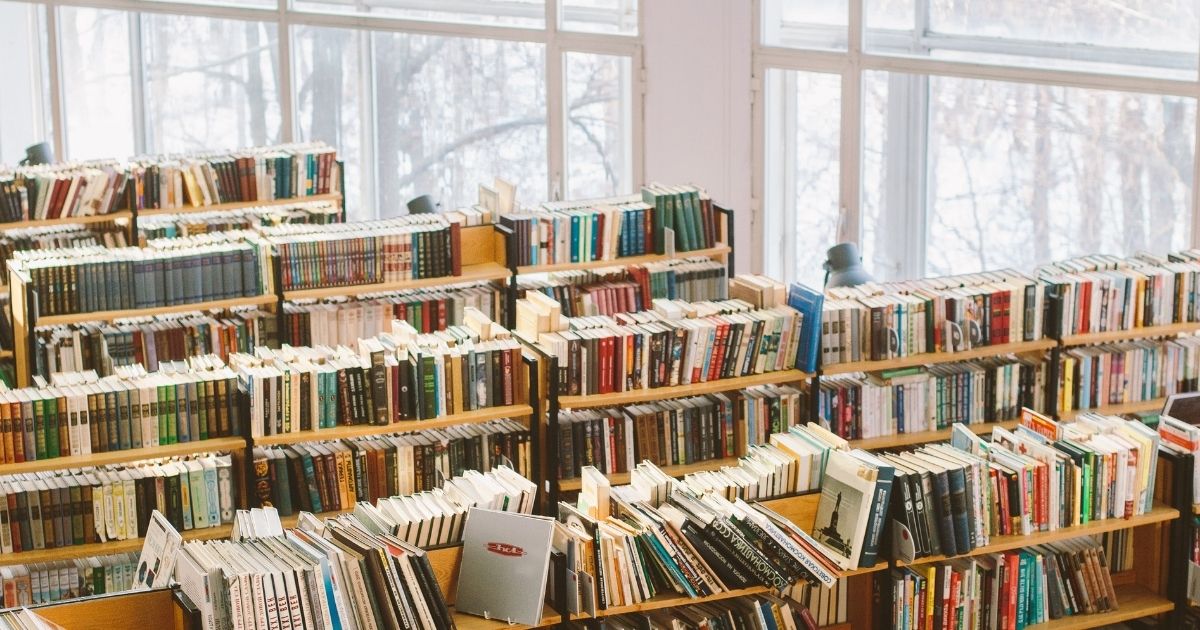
[368, 252]
[58, 191]
[170, 272]
[61, 580]
[1010, 590]
[633, 288]
[103, 346]
[331, 476]
[52, 509]
[190, 223]
[678, 343]
[1113, 374]
[59, 237]
[912, 400]
[343, 321]
[392, 378]
[287, 171]
[875, 322]
[80, 413]
[347, 576]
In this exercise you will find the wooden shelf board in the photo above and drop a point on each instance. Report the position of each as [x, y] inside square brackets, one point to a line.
[342, 432]
[129, 455]
[1133, 333]
[470, 273]
[619, 479]
[105, 548]
[6, 354]
[921, 437]
[1134, 601]
[237, 205]
[671, 600]
[1153, 404]
[694, 389]
[1159, 514]
[99, 218]
[719, 250]
[77, 318]
[932, 358]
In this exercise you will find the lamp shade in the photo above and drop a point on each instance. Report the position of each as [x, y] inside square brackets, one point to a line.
[39, 153]
[843, 266]
[422, 205]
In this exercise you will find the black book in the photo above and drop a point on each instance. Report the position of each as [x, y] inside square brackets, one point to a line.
[732, 572]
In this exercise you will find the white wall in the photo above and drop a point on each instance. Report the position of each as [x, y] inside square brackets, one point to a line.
[698, 102]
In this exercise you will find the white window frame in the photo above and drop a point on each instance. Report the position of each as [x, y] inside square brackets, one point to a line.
[909, 197]
[557, 43]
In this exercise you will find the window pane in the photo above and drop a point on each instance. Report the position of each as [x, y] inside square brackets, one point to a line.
[1024, 174]
[97, 87]
[453, 113]
[210, 83]
[600, 16]
[805, 23]
[23, 100]
[329, 83]
[522, 13]
[1104, 36]
[802, 188]
[599, 132]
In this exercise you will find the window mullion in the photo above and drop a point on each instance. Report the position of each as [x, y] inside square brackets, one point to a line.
[850, 149]
[287, 98]
[555, 105]
[137, 81]
[53, 50]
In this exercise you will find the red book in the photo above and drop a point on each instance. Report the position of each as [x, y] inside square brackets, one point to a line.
[455, 249]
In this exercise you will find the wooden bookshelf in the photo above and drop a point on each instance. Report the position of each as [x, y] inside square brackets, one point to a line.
[1140, 406]
[108, 316]
[154, 608]
[1133, 333]
[921, 437]
[105, 548]
[620, 479]
[720, 250]
[1159, 514]
[120, 215]
[678, 391]
[1134, 601]
[482, 272]
[127, 455]
[238, 205]
[342, 432]
[6, 354]
[933, 358]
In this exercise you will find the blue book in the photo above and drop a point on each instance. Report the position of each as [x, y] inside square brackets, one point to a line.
[574, 238]
[809, 303]
[595, 244]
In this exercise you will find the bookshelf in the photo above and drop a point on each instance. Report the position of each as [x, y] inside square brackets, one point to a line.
[898, 440]
[720, 252]
[1131, 334]
[934, 358]
[1117, 410]
[363, 430]
[129, 455]
[240, 205]
[70, 552]
[161, 608]
[120, 216]
[633, 397]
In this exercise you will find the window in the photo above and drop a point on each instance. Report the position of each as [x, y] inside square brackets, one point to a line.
[987, 136]
[418, 96]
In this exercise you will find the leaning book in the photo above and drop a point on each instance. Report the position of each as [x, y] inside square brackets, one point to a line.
[844, 509]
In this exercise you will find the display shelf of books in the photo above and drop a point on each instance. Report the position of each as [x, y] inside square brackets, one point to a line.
[677, 391]
[342, 432]
[159, 608]
[921, 437]
[129, 455]
[101, 548]
[239, 205]
[1153, 404]
[1145, 332]
[933, 358]
[1160, 514]
[720, 251]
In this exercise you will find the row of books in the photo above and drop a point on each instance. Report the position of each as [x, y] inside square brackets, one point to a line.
[59, 237]
[333, 475]
[344, 321]
[344, 576]
[686, 212]
[879, 321]
[390, 379]
[192, 223]
[1114, 374]
[286, 171]
[584, 232]
[436, 517]
[90, 279]
[1105, 293]
[1008, 591]
[678, 343]
[368, 252]
[102, 346]
[80, 413]
[53, 191]
[632, 288]
[912, 400]
[1042, 477]
[61, 580]
[63, 508]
